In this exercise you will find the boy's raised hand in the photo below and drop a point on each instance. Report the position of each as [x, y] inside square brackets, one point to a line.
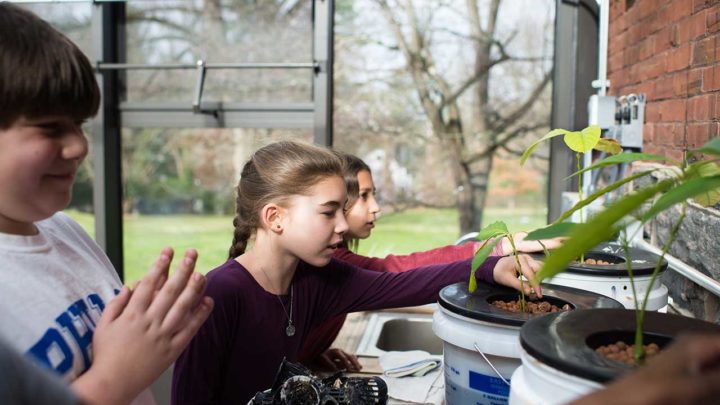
[141, 332]
[506, 273]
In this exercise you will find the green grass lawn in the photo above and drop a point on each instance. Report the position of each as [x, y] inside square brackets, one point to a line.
[402, 233]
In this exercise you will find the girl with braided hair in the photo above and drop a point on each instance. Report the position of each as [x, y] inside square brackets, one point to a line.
[281, 279]
[361, 211]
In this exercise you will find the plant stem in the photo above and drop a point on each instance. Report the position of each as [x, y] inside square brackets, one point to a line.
[639, 351]
[673, 235]
[519, 266]
[580, 195]
[545, 249]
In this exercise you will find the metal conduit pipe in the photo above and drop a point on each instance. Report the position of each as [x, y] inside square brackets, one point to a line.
[679, 266]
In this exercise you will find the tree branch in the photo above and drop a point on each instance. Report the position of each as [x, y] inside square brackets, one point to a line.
[521, 110]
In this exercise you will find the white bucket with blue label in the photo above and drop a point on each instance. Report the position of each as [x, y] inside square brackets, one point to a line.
[479, 358]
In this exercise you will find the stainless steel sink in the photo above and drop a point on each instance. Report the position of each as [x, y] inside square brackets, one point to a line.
[390, 331]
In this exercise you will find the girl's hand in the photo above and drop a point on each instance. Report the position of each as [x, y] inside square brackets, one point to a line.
[141, 332]
[529, 246]
[506, 273]
[335, 359]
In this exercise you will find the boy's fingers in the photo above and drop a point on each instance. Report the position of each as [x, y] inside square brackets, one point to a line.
[185, 302]
[115, 307]
[172, 289]
[193, 322]
[144, 292]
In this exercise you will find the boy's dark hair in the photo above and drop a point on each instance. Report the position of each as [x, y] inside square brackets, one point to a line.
[42, 73]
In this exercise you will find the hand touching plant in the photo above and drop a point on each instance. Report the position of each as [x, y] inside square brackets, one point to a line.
[494, 234]
[141, 332]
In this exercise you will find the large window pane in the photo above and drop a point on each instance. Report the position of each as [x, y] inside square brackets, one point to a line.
[179, 190]
[164, 31]
[412, 100]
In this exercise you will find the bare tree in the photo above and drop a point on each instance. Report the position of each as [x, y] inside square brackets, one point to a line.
[471, 140]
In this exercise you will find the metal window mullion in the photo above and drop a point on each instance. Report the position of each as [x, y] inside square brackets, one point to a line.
[323, 38]
[107, 25]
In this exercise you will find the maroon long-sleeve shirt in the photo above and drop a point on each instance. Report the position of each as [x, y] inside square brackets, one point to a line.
[238, 350]
[322, 336]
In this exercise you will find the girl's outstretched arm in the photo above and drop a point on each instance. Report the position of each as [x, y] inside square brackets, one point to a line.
[399, 263]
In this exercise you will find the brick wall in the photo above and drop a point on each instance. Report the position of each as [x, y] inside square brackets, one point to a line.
[669, 50]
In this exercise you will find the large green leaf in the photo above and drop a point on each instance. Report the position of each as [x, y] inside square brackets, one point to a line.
[551, 231]
[680, 193]
[480, 256]
[598, 229]
[610, 146]
[712, 147]
[529, 151]
[621, 158]
[583, 141]
[707, 169]
[594, 196]
[495, 229]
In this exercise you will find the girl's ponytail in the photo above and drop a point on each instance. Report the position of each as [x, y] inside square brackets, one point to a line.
[240, 237]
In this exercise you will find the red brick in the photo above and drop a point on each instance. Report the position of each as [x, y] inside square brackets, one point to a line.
[695, 81]
[703, 52]
[648, 130]
[701, 108]
[680, 85]
[650, 68]
[711, 78]
[698, 134]
[615, 62]
[666, 134]
[672, 110]
[646, 8]
[678, 58]
[664, 88]
[676, 10]
[712, 21]
[675, 154]
[646, 49]
[647, 87]
[630, 55]
[652, 112]
[701, 4]
[634, 34]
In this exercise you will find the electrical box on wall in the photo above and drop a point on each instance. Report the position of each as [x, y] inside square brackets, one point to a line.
[630, 117]
[620, 118]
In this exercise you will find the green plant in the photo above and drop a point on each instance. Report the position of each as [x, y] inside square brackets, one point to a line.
[492, 235]
[699, 180]
[581, 142]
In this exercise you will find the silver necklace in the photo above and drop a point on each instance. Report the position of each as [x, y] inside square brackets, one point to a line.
[290, 328]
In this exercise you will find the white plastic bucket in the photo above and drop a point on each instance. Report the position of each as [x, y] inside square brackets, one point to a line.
[617, 288]
[470, 377]
[535, 383]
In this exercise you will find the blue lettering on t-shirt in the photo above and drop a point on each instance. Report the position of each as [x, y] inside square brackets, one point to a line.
[53, 349]
[51, 341]
[77, 321]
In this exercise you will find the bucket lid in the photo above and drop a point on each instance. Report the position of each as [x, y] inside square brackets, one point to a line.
[566, 341]
[642, 262]
[478, 305]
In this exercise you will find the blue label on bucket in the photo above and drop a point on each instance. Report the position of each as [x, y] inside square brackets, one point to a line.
[489, 385]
